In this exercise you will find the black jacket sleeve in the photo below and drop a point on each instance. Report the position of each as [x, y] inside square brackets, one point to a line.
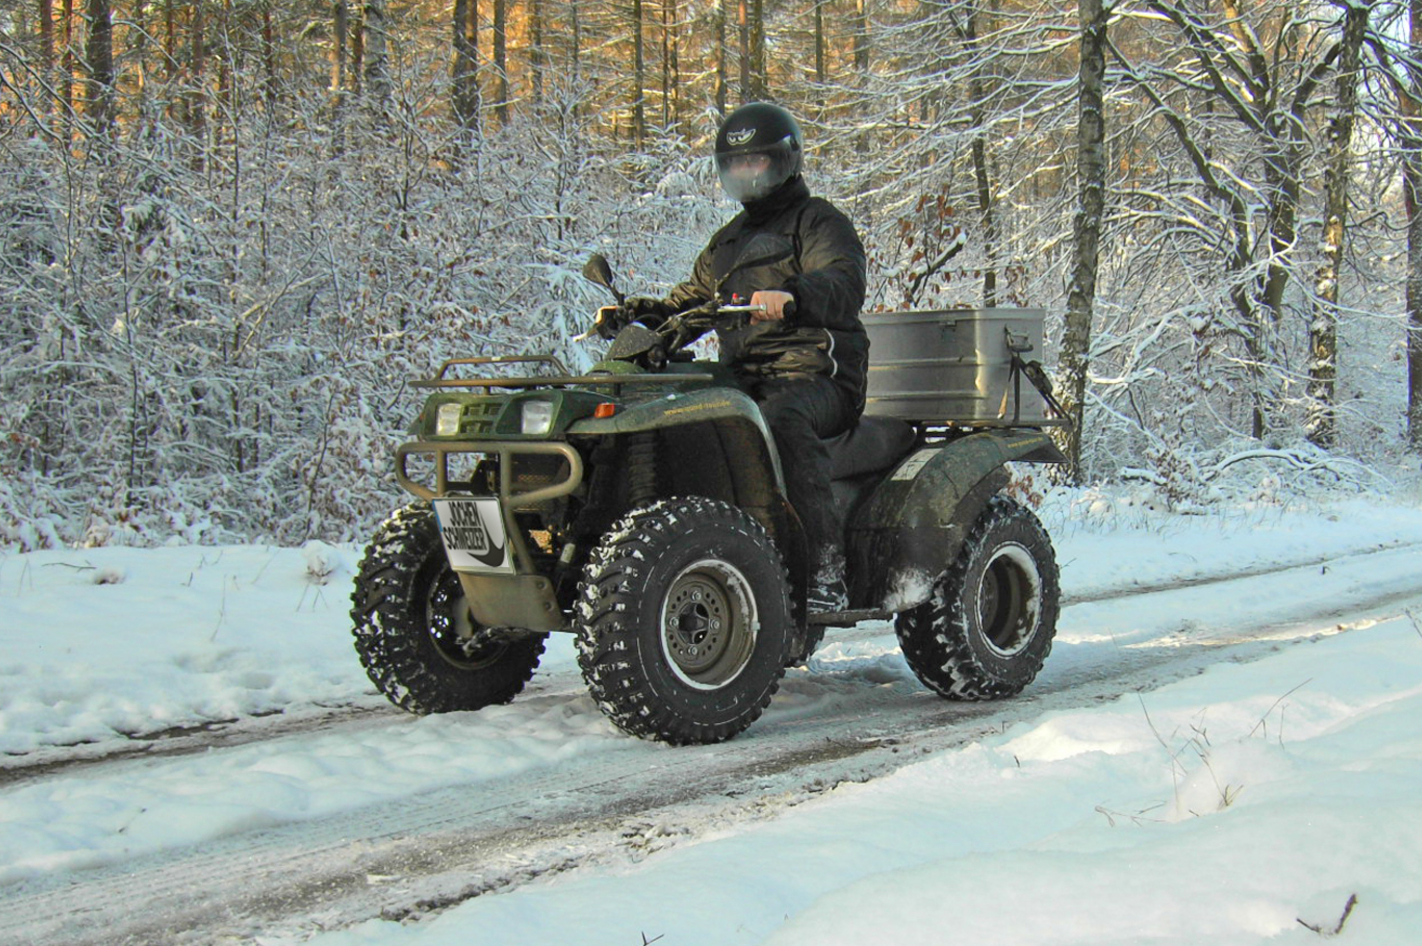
[829, 289]
[699, 288]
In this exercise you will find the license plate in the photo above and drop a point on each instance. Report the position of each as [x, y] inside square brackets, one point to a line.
[473, 534]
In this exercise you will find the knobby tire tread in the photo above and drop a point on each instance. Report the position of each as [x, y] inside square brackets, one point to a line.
[391, 635]
[936, 637]
[610, 642]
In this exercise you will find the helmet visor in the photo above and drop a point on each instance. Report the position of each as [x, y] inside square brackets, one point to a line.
[751, 175]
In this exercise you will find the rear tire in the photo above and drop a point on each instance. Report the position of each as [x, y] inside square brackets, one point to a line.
[684, 625]
[988, 627]
[416, 638]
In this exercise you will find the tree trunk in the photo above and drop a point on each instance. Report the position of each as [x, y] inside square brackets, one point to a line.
[1322, 425]
[982, 171]
[46, 32]
[577, 50]
[820, 51]
[666, 63]
[501, 60]
[722, 56]
[743, 21]
[671, 77]
[340, 31]
[760, 80]
[861, 36]
[535, 50]
[639, 77]
[99, 67]
[356, 67]
[465, 69]
[1075, 357]
[170, 41]
[269, 73]
[377, 57]
[197, 93]
[1412, 186]
[66, 68]
[1411, 110]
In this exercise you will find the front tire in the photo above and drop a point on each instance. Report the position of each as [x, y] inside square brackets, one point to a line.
[684, 624]
[988, 627]
[416, 638]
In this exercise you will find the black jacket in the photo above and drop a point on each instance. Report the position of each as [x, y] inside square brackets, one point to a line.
[806, 247]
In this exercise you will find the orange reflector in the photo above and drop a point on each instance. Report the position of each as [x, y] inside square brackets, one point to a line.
[605, 409]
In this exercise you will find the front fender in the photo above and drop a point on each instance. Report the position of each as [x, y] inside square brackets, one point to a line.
[715, 443]
[912, 526]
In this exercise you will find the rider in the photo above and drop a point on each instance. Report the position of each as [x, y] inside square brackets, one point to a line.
[804, 357]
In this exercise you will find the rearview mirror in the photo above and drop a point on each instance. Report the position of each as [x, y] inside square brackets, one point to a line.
[597, 270]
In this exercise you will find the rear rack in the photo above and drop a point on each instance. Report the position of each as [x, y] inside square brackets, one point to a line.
[561, 380]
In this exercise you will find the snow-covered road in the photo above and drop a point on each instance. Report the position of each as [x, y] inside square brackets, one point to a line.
[270, 831]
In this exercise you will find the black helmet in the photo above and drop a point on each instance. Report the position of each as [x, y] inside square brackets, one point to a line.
[758, 129]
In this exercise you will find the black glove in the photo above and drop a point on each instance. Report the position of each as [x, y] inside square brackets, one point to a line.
[611, 319]
[649, 311]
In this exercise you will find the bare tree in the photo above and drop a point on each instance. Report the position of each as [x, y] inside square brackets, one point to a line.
[671, 67]
[744, 24]
[99, 63]
[1075, 356]
[759, 79]
[501, 61]
[1262, 68]
[1322, 422]
[465, 67]
[639, 76]
[377, 58]
[537, 58]
[1402, 71]
[722, 56]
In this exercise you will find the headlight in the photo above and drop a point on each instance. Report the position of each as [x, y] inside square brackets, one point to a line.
[536, 418]
[447, 419]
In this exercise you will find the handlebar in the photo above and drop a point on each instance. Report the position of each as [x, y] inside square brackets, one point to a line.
[711, 309]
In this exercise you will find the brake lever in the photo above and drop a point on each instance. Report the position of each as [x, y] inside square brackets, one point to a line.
[744, 311]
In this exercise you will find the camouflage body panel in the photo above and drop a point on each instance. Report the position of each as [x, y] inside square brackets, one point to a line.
[713, 442]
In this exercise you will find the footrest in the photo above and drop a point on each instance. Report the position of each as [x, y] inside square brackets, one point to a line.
[847, 618]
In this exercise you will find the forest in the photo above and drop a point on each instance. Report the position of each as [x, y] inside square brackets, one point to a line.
[231, 231]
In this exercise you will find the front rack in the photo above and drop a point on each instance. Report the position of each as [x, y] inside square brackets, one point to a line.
[561, 380]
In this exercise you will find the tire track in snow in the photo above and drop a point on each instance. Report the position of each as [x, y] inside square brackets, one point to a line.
[419, 855]
[203, 737]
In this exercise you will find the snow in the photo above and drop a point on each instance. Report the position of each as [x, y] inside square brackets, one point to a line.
[1233, 806]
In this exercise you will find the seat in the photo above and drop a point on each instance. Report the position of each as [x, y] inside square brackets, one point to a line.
[873, 444]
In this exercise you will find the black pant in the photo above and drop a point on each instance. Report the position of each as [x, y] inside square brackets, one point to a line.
[801, 412]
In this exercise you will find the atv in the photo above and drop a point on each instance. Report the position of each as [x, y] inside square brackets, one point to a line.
[641, 506]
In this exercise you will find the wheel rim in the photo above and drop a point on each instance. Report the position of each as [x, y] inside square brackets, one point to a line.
[458, 639]
[1010, 600]
[708, 624]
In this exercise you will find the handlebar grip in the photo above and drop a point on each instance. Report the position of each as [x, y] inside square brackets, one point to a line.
[789, 310]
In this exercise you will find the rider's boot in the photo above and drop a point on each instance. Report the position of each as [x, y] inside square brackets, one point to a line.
[828, 591]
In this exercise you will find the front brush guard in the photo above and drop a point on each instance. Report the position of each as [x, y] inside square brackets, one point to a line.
[506, 450]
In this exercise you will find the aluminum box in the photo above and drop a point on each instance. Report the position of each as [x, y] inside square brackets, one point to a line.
[954, 367]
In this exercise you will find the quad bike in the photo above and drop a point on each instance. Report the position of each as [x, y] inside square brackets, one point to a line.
[641, 506]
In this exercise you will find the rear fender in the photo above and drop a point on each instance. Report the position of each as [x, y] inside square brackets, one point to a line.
[912, 526]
